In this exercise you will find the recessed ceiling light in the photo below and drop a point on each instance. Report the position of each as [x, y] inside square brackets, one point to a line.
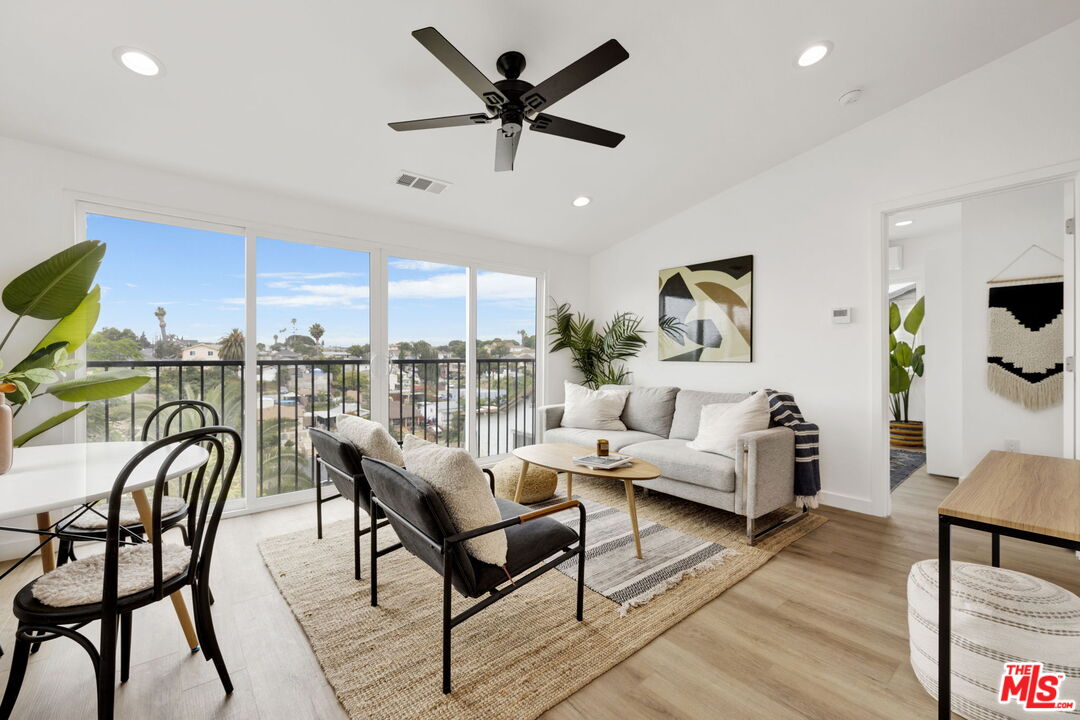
[582, 201]
[904, 223]
[138, 61]
[814, 54]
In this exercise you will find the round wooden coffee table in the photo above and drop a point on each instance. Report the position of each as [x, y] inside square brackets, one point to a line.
[560, 458]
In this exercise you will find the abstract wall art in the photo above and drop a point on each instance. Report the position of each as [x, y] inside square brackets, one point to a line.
[706, 311]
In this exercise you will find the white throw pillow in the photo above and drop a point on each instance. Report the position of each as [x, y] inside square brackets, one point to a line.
[594, 409]
[370, 438]
[464, 489]
[722, 424]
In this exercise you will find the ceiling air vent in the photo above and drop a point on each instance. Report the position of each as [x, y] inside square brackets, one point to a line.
[419, 182]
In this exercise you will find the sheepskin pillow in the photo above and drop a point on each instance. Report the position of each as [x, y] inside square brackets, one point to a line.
[370, 438]
[722, 424]
[80, 582]
[459, 481]
[594, 409]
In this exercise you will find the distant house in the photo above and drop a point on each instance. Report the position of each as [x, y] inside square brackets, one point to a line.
[200, 351]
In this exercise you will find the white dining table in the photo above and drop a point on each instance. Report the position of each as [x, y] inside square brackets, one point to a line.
[44, 478]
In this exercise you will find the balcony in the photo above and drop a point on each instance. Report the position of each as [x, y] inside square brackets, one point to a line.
[426, 398]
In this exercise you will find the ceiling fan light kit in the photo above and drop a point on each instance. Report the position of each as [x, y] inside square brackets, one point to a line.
[516, 103]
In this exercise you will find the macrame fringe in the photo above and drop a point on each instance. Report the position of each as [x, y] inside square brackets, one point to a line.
[806, 502]
[675, 580]
[1033, 396]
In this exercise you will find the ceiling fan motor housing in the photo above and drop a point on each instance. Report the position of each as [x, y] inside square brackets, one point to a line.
[512, 113]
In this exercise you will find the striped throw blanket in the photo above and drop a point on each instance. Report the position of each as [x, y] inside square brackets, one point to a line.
[783, 411]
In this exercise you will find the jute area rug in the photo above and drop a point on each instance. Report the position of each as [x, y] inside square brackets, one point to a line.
[516, 659]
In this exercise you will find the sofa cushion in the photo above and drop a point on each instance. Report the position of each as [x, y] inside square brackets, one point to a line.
[649, 409]
[599, 409]
[678, 462]
[723, 423]
[617, 439]
[688, 404]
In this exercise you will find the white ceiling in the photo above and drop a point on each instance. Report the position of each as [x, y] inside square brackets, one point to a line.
[926, 222]
[295, 97]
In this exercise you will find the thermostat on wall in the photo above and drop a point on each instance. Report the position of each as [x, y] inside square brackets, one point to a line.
[841, 315]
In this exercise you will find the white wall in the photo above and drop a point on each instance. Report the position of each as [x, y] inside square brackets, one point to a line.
[36, 220]
[996, 230]
[934, 262]
[809, 225]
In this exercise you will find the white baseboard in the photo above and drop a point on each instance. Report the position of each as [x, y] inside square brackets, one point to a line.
[847, 502]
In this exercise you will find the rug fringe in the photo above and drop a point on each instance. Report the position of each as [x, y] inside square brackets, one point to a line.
[804, 502]
[674, 580]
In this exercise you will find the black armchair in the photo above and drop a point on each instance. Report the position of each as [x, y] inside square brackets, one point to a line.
[419, 517]
[341, 461]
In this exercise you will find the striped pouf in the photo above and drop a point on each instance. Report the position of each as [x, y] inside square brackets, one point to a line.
[998, 616]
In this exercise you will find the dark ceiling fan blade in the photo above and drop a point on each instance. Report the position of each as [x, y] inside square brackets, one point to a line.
[505, 150]
[458, 64]
[441, 122]
[574, 75]
[576, 131]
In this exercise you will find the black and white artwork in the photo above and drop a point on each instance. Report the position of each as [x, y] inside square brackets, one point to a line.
[1026, 342]
[706, 311]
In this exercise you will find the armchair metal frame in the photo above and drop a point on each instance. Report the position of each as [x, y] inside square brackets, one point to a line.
[446, 548]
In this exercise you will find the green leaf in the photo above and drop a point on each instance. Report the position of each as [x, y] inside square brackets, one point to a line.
[77, 325]
[40, 358]
[54, 288]
[920, 351]
[917, 364]
[914, 318]
[41, 375]
[899, 380]
[892, 342]
[902, 353]
[47, 425]
[98, 387]
[894, 317]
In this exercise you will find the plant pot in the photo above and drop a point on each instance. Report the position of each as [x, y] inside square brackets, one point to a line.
[908, 435]
[7, 450]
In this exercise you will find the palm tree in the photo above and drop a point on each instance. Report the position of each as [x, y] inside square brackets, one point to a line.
[316, 331]
[160, 315]
[524, 334]
[232, 346]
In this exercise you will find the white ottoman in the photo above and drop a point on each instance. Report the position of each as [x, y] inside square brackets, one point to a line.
[998, 616]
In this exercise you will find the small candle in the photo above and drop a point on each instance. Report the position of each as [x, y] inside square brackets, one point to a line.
[602, 448]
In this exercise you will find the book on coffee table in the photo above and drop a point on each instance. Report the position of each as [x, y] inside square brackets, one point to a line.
[610, 462]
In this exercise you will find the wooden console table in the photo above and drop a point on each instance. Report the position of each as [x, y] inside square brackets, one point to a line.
[1030, 497]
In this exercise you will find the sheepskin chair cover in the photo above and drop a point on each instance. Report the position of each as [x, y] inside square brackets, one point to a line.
[129, 514]
[80, 582]
[463, 488]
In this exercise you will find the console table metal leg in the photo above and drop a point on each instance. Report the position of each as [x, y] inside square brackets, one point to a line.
[995, 549]
[944, 620]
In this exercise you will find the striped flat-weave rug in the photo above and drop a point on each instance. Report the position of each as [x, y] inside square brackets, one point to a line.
[614, 571]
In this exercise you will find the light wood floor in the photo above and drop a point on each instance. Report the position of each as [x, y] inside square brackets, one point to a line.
[818, 632]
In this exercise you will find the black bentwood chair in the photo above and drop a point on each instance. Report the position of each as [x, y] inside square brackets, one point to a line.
[419, 517]
[173, 567]
[90, 523]
[342, 463]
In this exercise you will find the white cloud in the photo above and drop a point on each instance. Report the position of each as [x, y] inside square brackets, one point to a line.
[299, 275]
[436, 287]
[403, 264]
[131, 285]
[500, 286]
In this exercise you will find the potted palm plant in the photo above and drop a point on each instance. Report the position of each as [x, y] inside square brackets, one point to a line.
[598, 354]
[905, 364]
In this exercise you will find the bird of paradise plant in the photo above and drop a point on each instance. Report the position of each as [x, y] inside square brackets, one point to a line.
[60, 289]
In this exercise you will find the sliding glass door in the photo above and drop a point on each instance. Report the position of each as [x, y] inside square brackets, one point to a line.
[313, 349]
[284, 331]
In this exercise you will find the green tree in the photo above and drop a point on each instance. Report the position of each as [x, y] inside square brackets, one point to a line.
[317, 331]
[160, 315]
[167, 350]
[110, 343]
[232, 345]
[360, 351]
[456, 348]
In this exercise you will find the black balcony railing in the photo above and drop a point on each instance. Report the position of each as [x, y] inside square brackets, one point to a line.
[426, 397]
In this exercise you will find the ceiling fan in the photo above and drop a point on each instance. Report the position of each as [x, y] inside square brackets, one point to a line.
[515, 102]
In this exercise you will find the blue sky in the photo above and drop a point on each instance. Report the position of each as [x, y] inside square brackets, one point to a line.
[198, 277]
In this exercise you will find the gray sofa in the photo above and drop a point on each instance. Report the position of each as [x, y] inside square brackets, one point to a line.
[661, 420]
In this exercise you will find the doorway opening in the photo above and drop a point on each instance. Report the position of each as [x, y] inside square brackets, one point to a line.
[979, 300]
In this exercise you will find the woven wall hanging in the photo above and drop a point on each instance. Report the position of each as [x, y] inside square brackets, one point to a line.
[1026, 341]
